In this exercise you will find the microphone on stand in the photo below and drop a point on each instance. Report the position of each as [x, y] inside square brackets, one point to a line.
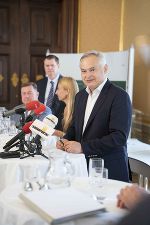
[44, 129]
[41, 129]
[19, 136]
[22, 108]
[51, 120]
[36, 112]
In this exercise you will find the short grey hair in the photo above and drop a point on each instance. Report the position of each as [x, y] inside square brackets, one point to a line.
[99, 55]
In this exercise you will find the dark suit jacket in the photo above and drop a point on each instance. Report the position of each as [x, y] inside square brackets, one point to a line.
[57, 106]
[140, 215]
[107, 129]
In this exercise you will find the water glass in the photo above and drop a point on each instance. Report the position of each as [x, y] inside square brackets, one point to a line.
[96, 166]
[104, 177]
[99, 191]
[30, 174]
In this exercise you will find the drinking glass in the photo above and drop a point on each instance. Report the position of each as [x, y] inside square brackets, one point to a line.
[99, 192]
[96, 166]
[30, 176]
[104, 177]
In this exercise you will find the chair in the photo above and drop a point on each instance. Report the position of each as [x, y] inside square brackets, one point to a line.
[142, 169]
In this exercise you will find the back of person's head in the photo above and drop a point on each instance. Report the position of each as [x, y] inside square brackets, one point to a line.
[99, 55]
[49, 57]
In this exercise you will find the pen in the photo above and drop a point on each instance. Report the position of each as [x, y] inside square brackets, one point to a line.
[62, 144]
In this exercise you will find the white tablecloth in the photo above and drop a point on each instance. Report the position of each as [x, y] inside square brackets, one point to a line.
[139, 150]
[12, 170]
[13, 211]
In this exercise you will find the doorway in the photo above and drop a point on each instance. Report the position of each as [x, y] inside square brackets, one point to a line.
[27, 29]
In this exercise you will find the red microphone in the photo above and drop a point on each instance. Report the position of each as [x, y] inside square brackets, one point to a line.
[40, 109]
[25, 130]
[36, 112]
[22, 108]
[32, 105]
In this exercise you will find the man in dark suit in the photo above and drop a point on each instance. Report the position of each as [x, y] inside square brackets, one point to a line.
[48, 86]
[102, 118]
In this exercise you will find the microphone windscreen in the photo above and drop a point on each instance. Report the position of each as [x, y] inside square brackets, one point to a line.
[42, 129]
[40, 109]
[33, 105]
[51, 120]
[26, 127]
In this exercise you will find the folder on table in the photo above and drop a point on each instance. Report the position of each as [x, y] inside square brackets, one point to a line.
[61, 205]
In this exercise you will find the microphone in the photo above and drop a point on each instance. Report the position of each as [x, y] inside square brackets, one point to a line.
[36, 112]
[22, 108]
[51, 120]
[41, 129]
[25, 130]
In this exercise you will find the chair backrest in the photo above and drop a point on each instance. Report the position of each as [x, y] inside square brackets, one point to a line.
[142, 169]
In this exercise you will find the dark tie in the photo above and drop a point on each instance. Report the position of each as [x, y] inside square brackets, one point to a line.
[50, 96]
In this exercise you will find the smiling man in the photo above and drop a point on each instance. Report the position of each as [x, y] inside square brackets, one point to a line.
[102, 118]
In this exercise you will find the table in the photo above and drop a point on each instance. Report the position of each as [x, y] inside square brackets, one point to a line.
[139, 150]
[12, 170]
[13, 211]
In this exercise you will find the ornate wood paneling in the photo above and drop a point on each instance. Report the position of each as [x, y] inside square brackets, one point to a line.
[4, 94]
[27, 30]
[4, 25]
[5, 48]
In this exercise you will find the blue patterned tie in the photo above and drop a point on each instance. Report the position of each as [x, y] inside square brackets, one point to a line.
[50, 96]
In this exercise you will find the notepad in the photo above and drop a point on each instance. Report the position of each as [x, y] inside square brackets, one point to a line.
[61, 205]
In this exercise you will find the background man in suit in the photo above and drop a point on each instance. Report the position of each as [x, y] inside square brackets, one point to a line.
[29, 93]
[48, 86]
[102, 118]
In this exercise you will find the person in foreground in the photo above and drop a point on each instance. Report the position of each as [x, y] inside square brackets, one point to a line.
[137, 200]
[29, 93]
[130, 196]
[47, 88]
[101, 119]
[66, 91]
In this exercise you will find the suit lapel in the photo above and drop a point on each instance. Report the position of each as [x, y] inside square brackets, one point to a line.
[81, 113]
[98, 104]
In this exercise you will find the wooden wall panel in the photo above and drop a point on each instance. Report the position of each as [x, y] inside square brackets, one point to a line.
[4, 71]
[4, 25]
[27, 30]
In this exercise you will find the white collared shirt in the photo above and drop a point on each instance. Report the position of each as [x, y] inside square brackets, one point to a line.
[91, 102]
[48, 87]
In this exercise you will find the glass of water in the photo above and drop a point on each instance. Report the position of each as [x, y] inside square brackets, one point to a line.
[99, 191]
[96, 166]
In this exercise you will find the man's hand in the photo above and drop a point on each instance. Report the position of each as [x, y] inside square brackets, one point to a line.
[72, 147]
[60, 144]
[129, 196]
